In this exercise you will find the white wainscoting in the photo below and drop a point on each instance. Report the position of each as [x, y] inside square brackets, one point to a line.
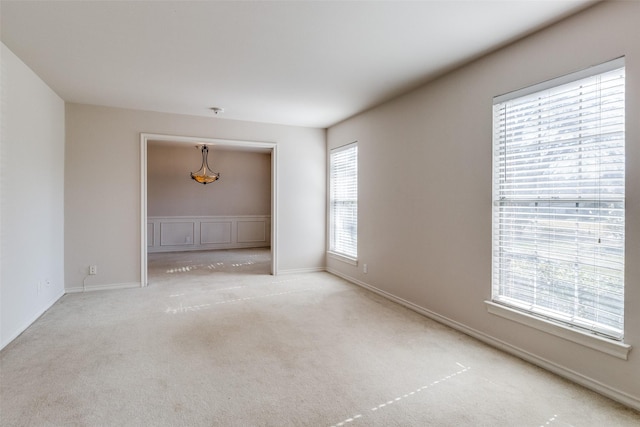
[194, 233]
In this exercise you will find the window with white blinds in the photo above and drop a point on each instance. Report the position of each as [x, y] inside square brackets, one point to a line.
[559, 200]
[343, 203]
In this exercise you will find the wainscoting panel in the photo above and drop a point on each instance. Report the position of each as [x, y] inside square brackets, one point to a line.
[176, 233]
[251, 231]
[193, 233]
[151, 236]
[215, 232]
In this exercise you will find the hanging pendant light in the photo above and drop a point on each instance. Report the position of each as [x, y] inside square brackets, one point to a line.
[204, 175]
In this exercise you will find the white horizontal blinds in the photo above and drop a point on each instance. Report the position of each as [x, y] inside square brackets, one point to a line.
[559, 192]
[344, 200]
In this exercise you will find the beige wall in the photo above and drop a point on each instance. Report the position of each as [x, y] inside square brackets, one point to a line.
[425, 191]
[102, 188]
[243, 189]
[31, 195]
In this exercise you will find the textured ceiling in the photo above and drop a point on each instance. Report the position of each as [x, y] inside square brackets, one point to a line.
[303, 63]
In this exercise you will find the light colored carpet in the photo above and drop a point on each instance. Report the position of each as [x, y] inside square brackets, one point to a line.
[207, 344]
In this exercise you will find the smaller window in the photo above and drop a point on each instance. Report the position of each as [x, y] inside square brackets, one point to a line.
[343, 203]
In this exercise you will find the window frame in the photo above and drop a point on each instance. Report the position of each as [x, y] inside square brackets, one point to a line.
[498, 307]
[332, 251]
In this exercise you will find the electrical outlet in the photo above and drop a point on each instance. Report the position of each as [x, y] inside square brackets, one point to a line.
[365, 269]
[93, 270]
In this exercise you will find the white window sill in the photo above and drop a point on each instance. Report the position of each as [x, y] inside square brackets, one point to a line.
[343, 258]
[610, 347]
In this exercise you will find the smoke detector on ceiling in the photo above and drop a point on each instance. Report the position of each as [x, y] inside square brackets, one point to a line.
[217, 110]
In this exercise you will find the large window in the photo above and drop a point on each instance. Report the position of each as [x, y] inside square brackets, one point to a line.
[559, 200]
[343, 203]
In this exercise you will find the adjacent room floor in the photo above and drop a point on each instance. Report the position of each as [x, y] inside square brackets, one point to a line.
[216, 341]
[164, 268]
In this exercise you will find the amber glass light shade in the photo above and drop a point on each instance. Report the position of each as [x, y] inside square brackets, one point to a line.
[204, 174]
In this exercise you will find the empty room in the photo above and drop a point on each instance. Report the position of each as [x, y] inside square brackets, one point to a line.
[320, 213]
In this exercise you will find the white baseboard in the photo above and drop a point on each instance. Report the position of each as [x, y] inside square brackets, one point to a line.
[36, 316]
[301, 270]
[88, 288]
[590, 383]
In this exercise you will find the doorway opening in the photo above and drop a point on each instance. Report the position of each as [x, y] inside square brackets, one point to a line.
[150, 231]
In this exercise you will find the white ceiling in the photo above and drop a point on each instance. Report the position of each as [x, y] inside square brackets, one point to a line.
[306, 63]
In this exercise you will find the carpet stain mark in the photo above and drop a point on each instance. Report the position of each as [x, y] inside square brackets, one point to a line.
[277, 282]
[211, 290]
[185, 309]
[409, 394]
[262, 296]
[550, 420]
[191, 308]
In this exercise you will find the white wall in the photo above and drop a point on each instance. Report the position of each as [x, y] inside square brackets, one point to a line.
[425, 192]
[244, 187]
[31, 194]
[102, 188]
